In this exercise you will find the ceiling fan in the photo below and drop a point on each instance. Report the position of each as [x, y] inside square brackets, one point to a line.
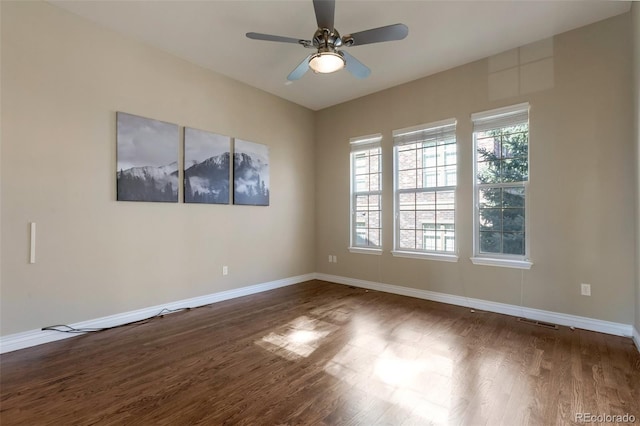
[326, 40]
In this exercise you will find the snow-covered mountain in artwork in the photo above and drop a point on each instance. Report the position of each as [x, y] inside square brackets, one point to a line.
[206, 175]
[147, 166]
[208, 181]
[251, 174]
[149, 172]
[148, 183]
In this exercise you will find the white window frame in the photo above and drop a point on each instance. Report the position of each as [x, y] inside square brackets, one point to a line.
[360, 144]
[495, 119]
[408, 136]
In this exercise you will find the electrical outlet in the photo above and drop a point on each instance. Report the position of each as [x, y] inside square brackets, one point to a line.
[330, 258]
[585, 289]
[335, 259]
[225, 270]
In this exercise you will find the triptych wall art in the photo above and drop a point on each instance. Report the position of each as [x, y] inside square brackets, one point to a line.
[148, 158]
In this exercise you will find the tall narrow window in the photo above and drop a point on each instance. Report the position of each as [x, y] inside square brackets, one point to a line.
[425, 172]
[501, 177]
[366, 194]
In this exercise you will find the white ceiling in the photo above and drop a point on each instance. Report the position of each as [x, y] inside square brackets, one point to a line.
[442, 35]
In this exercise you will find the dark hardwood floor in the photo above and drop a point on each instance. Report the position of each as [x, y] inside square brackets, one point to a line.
[321, 353]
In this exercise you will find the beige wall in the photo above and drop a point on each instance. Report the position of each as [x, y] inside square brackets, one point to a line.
[63, 79]
[581, 188]
[635, 16]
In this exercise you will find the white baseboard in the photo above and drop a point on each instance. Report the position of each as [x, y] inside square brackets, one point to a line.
[585, 323]
[13, 342]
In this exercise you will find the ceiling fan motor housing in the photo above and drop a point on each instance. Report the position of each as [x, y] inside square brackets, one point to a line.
[327, 39]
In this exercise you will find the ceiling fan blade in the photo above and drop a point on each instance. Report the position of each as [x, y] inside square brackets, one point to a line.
[355, 67]
[377, 35]
[325, 12]
[269, 37]
[300, 70]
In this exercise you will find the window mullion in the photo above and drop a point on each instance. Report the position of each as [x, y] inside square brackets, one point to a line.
[501, 184]
[427, 189]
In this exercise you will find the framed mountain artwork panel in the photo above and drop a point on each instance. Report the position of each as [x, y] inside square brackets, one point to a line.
[206, 167]
[250, 173]
[147, 159]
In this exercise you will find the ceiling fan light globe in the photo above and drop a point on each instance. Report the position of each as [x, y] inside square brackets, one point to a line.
[326, 62]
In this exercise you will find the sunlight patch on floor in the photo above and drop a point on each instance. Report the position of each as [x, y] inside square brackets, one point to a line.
[419, 382]
[298, 338]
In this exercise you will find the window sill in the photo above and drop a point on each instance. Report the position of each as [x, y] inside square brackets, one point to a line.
[427, 256]
[362, 250]
[503, 263]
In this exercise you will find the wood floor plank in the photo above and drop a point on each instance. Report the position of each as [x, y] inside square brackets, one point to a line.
[320, 353]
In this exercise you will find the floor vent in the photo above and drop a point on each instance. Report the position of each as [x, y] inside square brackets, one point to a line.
[539, 323]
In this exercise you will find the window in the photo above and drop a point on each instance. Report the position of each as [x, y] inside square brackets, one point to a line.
[425, 172]
[501, 177]
[366, 194]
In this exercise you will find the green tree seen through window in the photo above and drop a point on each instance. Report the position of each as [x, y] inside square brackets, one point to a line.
[502, 170]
